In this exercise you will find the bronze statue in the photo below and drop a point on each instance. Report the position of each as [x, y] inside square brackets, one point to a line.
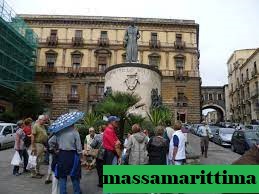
[130, 43]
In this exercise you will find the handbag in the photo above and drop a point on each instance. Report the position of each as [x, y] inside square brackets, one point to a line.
[16, 160]
[32, 162]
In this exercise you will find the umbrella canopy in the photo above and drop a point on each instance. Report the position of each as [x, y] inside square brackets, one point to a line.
[65, 121]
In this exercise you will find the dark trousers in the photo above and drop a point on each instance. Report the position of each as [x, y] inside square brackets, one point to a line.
[99, 168]
[23, 154]
[108, 157]
[204, 145]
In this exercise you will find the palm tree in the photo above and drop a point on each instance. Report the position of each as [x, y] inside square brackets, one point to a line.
[118, 104]
[160, 115]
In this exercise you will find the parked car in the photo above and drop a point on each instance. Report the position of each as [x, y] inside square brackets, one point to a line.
[253, 127]
[243, 140]
[7, 134]
[193, 128]
[196, 128]
[213, 129]
[223, 136]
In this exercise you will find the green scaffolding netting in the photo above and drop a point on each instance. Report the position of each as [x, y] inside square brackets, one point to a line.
[18, 47]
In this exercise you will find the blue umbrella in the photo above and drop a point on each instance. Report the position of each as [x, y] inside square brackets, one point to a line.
[65, 121]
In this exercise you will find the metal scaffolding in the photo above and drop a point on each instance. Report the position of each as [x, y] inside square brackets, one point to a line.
[18, 47]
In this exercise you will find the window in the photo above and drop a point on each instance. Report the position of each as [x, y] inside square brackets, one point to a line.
[255, 68]
[178, 38]
[154, 60]
[153, 36]
[247, 74]
[53, 33]
[76, 60]
[102, 63]
[74, 91]
[78, 33]
[47, 89]
[219, 97]
[7, 130]
[242, 77]
[210, 97]
[180, 95]
[123, 57]
[100, 90]
[104, 34]
[179, 66]
[51, 59]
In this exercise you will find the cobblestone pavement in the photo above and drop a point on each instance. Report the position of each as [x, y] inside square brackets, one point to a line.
[23, 184]
[216, 154]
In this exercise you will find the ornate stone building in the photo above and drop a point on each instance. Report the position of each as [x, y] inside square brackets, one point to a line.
[243, 85]
[74, 52]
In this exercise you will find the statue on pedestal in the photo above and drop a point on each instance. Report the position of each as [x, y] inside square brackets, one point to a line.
[130, 43]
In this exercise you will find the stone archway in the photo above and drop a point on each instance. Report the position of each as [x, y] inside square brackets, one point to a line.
[221, 112]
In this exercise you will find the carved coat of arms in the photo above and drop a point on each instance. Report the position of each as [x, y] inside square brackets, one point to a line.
[132, 81]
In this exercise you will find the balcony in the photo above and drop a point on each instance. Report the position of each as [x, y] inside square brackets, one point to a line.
[48, 70]
[95, 97]
[77, 41]
[103, 42]
[73, 98]
[155, 44]
[75, 71]
[47, 96]
[181, 75]
[179, 44]
[181, 101]
[52, 40]
[254, 94]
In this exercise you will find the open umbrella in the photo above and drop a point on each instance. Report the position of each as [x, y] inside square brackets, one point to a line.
[65, 121]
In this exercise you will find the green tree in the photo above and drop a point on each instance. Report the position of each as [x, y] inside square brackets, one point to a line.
[118, 104]
[27, 102]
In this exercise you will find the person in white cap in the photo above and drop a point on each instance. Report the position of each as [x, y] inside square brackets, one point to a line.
[38, 138]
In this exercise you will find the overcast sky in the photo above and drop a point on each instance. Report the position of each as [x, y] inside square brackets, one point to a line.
[225, 25]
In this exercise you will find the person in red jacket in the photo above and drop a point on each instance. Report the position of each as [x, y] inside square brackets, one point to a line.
[111, 141]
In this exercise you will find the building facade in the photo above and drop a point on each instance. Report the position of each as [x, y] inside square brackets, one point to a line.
[18, 46]
[243, 85]
[74, 52]
[211, 117]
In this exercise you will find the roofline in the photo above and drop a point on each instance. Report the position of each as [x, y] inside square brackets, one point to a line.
[238, 50]
[110, 19]
[249, 58]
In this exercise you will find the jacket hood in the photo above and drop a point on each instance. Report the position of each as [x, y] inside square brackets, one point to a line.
[140, 137]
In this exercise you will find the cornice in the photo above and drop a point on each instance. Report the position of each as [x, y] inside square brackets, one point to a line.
[115, 21]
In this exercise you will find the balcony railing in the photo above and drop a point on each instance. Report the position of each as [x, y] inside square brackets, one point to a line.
[47, 69]
[47, 96]
[254, 94]
[179, 44]
[254, 74]
[77, 41]
[181, 101]
[154, 44]
[95, 97]
[120, 42]
[73, 98]
[177, 74]
[82, 70]
[103, 42]
[52, 40]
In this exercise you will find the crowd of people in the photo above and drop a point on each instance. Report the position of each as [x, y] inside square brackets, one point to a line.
[67, 155]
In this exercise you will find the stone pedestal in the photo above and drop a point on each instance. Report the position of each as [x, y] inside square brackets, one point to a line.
[134, 78]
